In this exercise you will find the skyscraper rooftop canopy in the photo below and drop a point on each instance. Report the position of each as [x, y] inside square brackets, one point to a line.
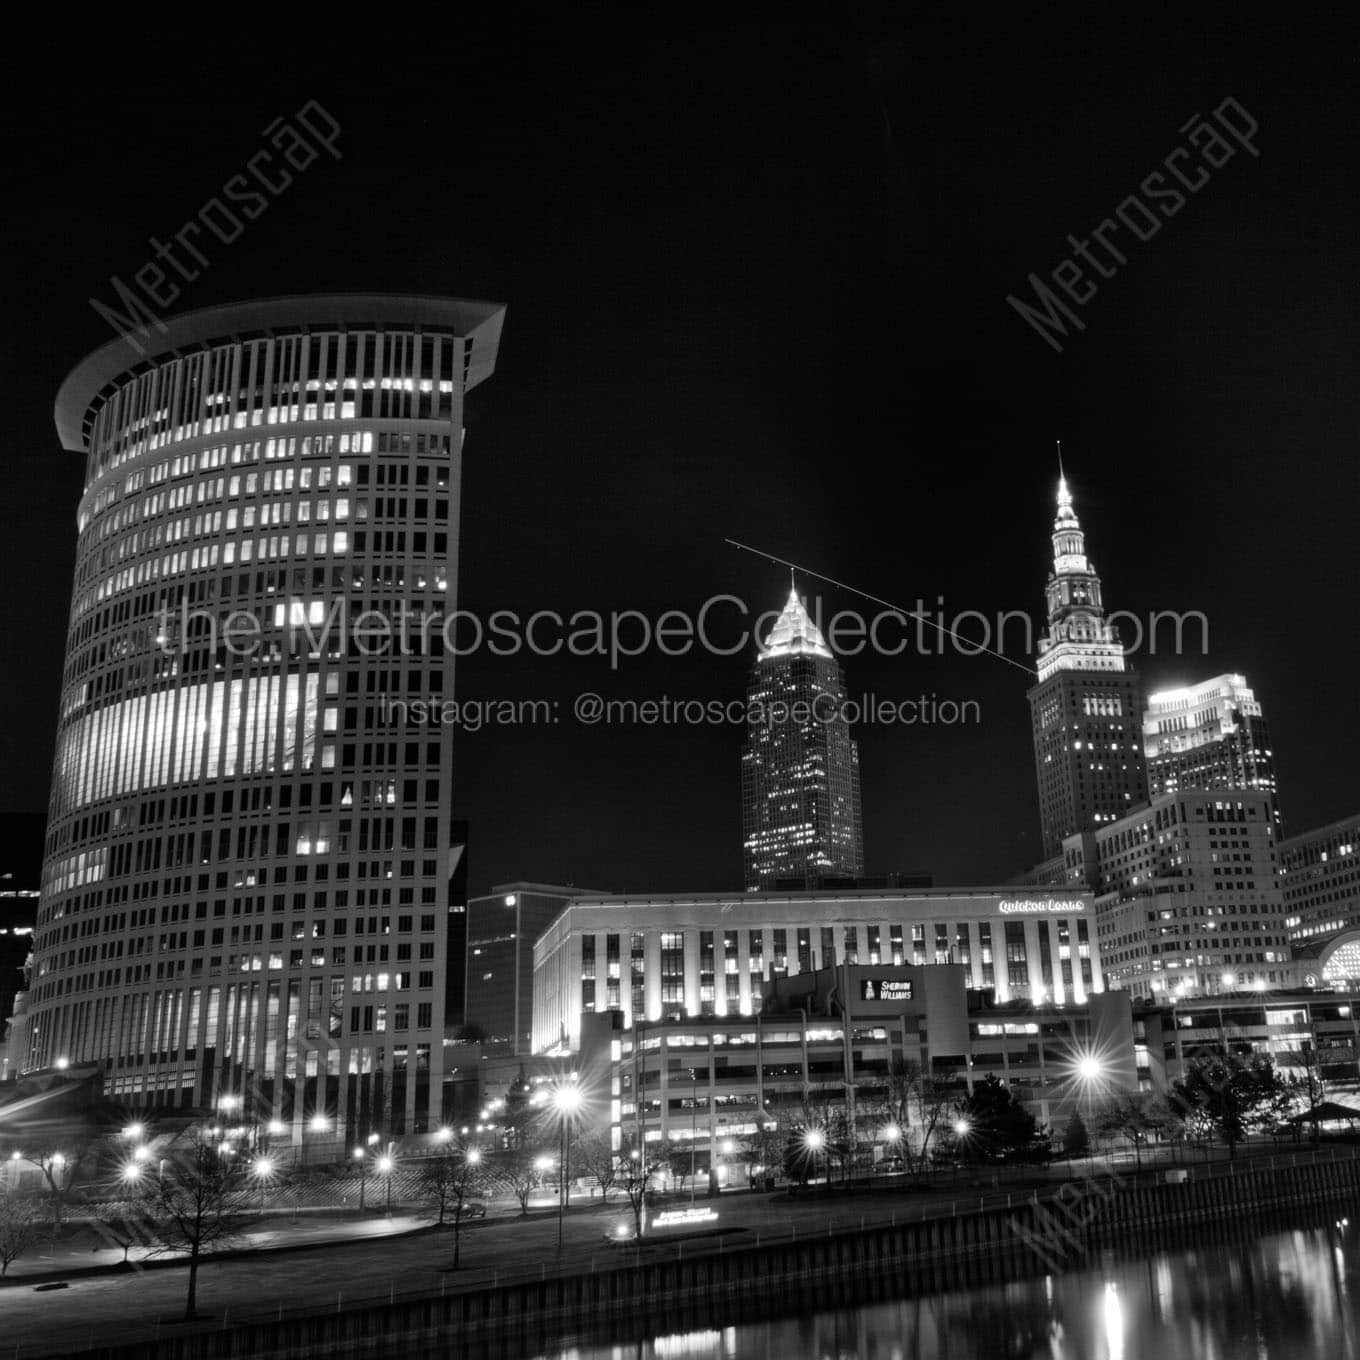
[143, 344]
[794, 633]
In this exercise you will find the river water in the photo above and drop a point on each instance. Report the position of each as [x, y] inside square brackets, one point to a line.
[1291, 1295]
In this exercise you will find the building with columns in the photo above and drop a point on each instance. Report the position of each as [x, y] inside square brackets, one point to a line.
[1086, 709]
[245, 890]
[714, 954]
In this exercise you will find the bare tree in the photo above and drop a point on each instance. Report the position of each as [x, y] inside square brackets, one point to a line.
[62, 1162]
[762, 1148]
[635, 1177]
[197, 1202]
[448, 1185]
[517, 1170]
[123, 1224]
[916, 1105]
[595, 1155]
[1136, 1117]
[21, 1227]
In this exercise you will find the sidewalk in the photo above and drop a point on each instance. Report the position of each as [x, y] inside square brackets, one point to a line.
[77, 1256]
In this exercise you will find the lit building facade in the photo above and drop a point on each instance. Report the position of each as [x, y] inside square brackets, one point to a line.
[1086, 709]
[650, 958]
[1301, 1032]
[246, 882]
[801, 815]
[1188, 901]
[1320, 871]
[829, 1039]
[1208, 736]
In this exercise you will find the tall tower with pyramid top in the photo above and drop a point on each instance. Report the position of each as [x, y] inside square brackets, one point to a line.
[799, 766]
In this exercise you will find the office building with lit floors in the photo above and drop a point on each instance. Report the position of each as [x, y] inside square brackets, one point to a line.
[1086, 709]
[1320, 871]
[713, 954]
[1188, 898]
[801, 817]
[829, 1041]
[246, 881]
[1208, 736]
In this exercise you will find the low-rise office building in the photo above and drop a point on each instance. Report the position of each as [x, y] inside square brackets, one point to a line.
[1320, 872]
[1299, 1031]
[838, 1039]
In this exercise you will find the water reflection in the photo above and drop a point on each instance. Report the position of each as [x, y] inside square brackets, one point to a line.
[1289, 1296]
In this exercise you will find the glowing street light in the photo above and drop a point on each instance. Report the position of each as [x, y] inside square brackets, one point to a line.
[566, 1101]
[361, 1157]
[276, 1128]
[228, 1102]
[131, 1173]
[962, 1128]
[385, 1167]
[141, 1153]
[1090, 1068]
[263, 1171]
[474, 1155]
[133, 1132]
[319, 1123]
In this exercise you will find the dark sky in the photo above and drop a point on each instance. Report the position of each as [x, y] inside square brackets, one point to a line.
[757, 285]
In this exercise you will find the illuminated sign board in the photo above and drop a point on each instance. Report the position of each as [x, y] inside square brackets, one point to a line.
[885, 989]
[1041, 906]
[695, 1217]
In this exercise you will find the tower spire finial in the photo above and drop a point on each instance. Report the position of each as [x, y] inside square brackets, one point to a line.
[1061, 474]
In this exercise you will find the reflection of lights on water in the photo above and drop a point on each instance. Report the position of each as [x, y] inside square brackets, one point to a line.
[1114, 1322]
[687, 1343]
[1163, 1290]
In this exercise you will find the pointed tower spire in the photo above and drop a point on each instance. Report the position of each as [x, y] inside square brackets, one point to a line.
[794, 630]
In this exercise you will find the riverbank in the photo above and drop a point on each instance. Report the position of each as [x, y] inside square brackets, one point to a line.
[733, 1275]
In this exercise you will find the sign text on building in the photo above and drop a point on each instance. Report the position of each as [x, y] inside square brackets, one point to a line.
[885, 989]
[1041, 905]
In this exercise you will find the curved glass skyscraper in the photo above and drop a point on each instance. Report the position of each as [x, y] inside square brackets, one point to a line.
[245, 890]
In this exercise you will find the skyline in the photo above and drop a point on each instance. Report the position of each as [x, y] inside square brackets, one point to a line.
[669, 379]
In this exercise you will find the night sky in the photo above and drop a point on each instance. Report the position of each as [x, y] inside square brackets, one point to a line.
[756, 286]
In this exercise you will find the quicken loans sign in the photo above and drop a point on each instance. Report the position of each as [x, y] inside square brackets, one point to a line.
[1031, 906]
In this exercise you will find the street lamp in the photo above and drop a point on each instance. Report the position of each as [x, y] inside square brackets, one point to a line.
[814, 1140]
[385, 1166]
[566, 1100]
[1089, 1071]
[363, 1175]
[263, 1171]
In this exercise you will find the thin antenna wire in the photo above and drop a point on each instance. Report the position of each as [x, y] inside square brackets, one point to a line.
[875, 599]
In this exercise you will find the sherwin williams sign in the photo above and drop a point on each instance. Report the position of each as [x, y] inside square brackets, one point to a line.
[885, 989]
